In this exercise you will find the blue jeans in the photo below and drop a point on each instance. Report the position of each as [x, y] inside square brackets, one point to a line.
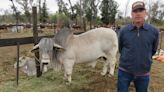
[124, 79]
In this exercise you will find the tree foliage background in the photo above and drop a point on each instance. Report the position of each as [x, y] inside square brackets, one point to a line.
[82, 12]
[108, 11]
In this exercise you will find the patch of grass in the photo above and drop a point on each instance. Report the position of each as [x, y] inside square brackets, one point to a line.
[49, 82]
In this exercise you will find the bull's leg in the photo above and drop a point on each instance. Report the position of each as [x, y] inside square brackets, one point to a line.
[65, 76]
[45, 69]
[112, 65]
[105, 68]
[68, 67]
[112, 61]
[92, 64]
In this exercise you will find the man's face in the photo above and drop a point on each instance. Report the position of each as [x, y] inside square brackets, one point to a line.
[138, 15]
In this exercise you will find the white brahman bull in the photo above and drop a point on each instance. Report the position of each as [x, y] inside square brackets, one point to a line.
[84, 48]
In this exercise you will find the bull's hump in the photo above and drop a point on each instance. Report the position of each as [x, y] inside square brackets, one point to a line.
[63, 32]
[97, 32]
[62, 36]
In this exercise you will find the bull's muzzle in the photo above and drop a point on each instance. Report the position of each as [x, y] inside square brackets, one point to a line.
[45, 61]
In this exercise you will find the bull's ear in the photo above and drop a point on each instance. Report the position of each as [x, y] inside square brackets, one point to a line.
[35, 48]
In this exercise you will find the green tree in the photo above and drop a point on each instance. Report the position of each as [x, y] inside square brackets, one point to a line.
[44, 13]
[87, 11]
[155, 11]
[26, 6]
[7, 17]
[161, 12]
[76, 9]
[59, 17]
[63, 7]
[90, 7]
[108, 11]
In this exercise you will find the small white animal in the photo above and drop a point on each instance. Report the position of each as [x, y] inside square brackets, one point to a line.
[28, 66]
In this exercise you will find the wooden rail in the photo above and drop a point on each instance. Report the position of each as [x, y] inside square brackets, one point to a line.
[14, 41]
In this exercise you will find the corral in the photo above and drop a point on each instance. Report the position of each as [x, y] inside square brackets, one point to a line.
[85, 79]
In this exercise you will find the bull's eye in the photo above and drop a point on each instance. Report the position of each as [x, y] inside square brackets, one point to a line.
[60, 50]
[23, 57]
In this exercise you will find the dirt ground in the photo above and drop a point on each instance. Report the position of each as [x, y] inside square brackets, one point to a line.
[101, 84]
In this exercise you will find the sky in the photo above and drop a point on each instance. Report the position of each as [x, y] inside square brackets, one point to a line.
[52, 5]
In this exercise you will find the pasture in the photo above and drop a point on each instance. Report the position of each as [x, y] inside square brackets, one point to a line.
[85, 78]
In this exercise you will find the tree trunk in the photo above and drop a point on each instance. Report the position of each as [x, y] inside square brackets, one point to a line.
[39, 11]
[71, 9]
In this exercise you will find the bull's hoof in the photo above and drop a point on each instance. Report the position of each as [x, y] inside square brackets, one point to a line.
[65, 79]
[103, 74]
[68, 83]
[109, 75]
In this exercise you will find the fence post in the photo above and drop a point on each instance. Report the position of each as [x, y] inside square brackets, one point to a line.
[161, 40]
[17, 75]
[35, 35]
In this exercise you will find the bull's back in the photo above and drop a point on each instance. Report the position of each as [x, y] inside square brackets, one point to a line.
[98, 33]
[92, 44]
[103, 36]
[108, 38]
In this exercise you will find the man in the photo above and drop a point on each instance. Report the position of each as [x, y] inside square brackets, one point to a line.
[138, 42]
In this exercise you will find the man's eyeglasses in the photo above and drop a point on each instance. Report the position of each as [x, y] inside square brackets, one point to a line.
[138, 10]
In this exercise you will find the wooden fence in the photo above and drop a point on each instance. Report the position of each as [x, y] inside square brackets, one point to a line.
[25, 40]
[21, 41]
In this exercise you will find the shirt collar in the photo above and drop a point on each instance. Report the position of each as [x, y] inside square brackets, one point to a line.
[132, 27]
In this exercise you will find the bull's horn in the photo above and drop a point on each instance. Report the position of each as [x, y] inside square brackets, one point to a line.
[35, 48]
[57, 46]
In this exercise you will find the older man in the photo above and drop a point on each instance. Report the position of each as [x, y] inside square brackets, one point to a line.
[138, 41]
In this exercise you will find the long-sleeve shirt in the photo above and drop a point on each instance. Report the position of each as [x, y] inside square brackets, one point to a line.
[136, 47]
